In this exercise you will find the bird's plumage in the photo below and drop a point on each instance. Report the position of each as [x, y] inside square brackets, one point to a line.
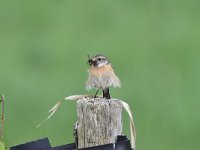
[101, 75]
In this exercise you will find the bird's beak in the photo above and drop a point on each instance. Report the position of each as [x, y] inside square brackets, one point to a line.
[92, 61]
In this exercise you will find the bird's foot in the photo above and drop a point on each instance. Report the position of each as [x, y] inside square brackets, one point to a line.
[95, 96]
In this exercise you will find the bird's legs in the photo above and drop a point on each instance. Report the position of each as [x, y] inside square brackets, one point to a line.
[95, 96]
[106, 93]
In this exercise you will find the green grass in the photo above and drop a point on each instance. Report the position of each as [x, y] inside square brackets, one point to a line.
[153, 45]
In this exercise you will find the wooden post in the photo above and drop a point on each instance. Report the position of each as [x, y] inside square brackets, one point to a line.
[99, 121]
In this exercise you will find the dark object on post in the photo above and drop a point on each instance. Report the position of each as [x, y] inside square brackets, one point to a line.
[122, 143]
[42, 144]
[65, 147]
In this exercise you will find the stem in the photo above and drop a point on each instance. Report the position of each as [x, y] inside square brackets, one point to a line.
[2, 116]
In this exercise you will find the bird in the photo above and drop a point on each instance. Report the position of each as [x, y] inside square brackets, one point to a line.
[101, 75]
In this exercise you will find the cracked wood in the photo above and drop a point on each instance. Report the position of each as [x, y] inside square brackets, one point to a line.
[99, 121]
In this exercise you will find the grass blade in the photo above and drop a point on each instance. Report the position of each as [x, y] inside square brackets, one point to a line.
[132, 126]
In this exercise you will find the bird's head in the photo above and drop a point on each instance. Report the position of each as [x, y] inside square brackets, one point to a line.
[98, 61]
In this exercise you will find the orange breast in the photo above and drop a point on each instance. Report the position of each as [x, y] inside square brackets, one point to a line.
[103, 70]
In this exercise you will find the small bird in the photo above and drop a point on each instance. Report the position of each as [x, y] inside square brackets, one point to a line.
[101, 75]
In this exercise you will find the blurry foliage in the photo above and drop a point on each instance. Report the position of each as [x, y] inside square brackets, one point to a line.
[2, 146]
[153, 45]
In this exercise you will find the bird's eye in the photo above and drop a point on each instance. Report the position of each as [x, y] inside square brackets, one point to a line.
[99, 59]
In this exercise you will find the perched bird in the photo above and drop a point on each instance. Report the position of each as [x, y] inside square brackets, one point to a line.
[101, 75]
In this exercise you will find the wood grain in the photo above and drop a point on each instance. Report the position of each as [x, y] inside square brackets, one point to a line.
[99, 121]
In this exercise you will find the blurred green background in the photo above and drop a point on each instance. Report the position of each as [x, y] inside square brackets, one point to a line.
[152, 44]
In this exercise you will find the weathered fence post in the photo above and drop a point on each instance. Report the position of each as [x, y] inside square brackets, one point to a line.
[99, 121]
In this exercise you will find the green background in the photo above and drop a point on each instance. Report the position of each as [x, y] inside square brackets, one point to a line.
[152, 44]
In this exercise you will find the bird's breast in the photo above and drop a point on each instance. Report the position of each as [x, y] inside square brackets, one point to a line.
[99, 71]
[102, 77]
